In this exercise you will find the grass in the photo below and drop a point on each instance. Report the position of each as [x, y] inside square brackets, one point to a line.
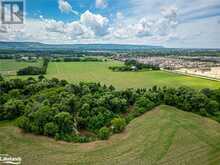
[162, 136]
[99, 72]
[10, 67]
[76, 72]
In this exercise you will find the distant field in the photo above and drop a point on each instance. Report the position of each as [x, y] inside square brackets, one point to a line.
[10, 67]
[162, 136]
[99, 72]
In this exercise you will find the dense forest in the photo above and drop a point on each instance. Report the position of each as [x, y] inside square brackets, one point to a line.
[61, 110]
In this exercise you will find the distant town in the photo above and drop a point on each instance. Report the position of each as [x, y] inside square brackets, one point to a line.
[206, 66]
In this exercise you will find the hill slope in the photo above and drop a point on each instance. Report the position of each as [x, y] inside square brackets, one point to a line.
[162, 136]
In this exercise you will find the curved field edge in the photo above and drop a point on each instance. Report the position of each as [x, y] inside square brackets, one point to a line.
[164, 135]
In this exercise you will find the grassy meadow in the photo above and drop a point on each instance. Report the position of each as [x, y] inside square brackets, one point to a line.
[76, 72]
[163, 136]
[99, 72]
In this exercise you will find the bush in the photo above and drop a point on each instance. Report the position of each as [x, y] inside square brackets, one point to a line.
[203, 112]
[23, 122]
[12, 109]
[212, 107]
[118, 125]
[145, 103]
[50, 129]
[104, 133]
[139, 111]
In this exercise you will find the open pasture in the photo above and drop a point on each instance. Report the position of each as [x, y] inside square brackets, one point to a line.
[100, 72]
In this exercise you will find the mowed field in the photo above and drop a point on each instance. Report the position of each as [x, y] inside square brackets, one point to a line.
[162, 136]
[10, 67]
[99, 72]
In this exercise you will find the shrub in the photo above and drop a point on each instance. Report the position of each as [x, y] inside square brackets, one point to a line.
[118, 125]
[203, 112]
[23, 122]
[138, 111]
[104, 133]
[129, 118]
[50, 129]
[212, 107]
[144, 103]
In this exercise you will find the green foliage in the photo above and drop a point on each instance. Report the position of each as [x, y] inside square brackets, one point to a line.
[33, 70]
[23, 122]
[30, 70]
[12, 109]
[133, 65]
[80, 59]
[212, 107]
[104, 133]
[64, 122]
[118, 124]
[61, 110]
[51, 129]
[144, 103]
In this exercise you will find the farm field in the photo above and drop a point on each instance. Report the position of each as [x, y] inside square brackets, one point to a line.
[10, 67]
[99, 72]
[164, 135]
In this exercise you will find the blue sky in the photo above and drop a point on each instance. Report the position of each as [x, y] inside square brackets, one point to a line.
[171, 23]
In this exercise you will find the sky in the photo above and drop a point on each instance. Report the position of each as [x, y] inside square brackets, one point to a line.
[169, 23]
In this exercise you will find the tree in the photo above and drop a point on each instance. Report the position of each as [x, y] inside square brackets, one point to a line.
[104, 133]
[42, 116]
[118, 124]
[64, 122]
[12, 109]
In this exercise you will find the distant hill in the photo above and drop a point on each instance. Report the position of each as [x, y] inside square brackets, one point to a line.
[91, 47]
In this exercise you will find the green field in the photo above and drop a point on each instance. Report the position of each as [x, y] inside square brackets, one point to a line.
[10, 67]
[99, 72]
[76, 72]
[162, 136]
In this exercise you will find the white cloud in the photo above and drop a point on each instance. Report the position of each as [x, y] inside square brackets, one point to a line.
[119, 16]
[101, 3]
[89, 26]
[144, 28]
[154, 22]
[169, 12]
[97, 23]
[54, 26]
[158, 26]
[65, 7]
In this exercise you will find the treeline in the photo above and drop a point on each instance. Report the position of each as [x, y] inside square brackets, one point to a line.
[133, 65]
[33, 70]
[61, 110]
[79, 59]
